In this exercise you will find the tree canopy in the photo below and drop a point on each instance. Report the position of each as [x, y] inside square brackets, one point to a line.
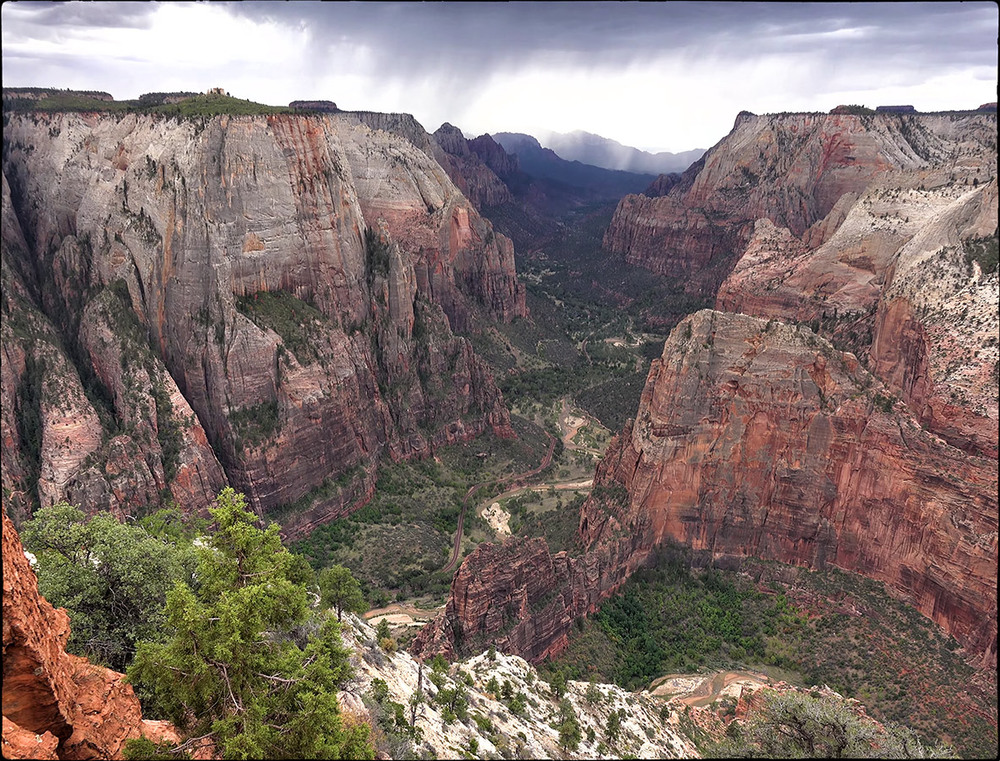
[111, 577]
[244, 654]
[340, 590]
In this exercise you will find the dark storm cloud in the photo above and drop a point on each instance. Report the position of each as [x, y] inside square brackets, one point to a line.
[47, 20]
[474, 38]
[523, 66]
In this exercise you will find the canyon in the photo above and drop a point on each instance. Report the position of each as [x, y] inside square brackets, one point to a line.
[839, 409]
[266, 301]
[284, 303]
[59, 706]
[753, 438]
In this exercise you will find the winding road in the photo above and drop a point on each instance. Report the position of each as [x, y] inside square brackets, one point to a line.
[546, 461]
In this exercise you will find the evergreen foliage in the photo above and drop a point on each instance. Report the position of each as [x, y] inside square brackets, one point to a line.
[900, 666]
[454, 702]
[668, 619]
[144, 749]
[614, 726]
[985, 251]
[558, 684]
[244, 657]
[111, 577]
[340, 590]
[570, 733]
[299, 323]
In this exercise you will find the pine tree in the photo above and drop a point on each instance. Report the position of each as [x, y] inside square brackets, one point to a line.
[340, 590]
[244, 658]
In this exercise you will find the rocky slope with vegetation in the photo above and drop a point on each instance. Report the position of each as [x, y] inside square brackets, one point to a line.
[194, 301]
[760, 439]
[363, 695]
[56, 705]
[496, 705]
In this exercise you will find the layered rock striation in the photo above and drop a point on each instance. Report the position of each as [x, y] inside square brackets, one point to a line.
[757, 438]
[800, 171]
[56, 705]
[760, 439]
[523, 599]
[269, 302]
[865, 226]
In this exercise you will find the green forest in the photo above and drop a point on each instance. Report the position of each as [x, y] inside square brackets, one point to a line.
[211, 623]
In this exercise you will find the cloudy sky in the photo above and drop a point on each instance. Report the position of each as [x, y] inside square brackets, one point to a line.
[658, 76]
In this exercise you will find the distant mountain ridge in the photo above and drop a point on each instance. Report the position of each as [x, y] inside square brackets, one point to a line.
[539, 161]
[588, 148]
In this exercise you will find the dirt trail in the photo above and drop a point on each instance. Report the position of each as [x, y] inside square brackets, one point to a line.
[516, 478]
[405, 609]
[571, 425]
[403, 614]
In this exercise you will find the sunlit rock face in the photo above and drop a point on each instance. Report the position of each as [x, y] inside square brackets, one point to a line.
[802, 172]
[760, 439]
[866, 227]
[262, 301]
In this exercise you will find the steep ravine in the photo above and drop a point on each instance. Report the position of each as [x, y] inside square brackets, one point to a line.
[264, 301]
[754, 438]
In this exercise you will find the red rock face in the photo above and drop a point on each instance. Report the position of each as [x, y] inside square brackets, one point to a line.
[57, 705]
[791, 169]
[902, 353]
[755, 438]
[871, 251]
[190, 218]
[523, 599]
[896, 283]
[766, 442]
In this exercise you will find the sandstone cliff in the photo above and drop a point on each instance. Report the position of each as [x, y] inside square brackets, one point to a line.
[800, 171]
[264, 301]
[470, 171]
[784, 448]
[898, 283]
[861, 225]
[55, 705]
[756, 438]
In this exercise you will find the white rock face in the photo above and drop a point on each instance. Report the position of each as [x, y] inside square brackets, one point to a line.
[498, 519]
[189, 219]
[496, 731]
